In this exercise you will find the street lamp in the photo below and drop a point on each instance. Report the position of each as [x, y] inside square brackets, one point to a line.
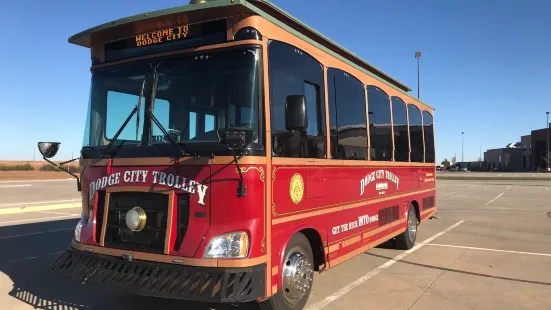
[547, 142]
[462, 146]
[418, 56]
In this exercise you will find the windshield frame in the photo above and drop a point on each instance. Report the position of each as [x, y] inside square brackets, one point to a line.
[144, 147]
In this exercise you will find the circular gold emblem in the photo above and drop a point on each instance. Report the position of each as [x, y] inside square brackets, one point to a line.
[296, 188]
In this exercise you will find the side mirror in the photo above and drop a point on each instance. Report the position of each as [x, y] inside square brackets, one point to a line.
[295, 113]
[48, 149]
[235, 138]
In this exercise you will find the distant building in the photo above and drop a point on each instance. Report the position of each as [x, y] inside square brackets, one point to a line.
[539, 148]
[526, 142]
[504, 159]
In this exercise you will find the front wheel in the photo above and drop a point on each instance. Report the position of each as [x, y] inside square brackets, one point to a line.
[297, 275]
[406, 240]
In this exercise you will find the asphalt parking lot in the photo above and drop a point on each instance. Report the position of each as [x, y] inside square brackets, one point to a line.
[489, 249]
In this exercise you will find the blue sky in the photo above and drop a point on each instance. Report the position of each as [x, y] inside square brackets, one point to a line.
[486, 65]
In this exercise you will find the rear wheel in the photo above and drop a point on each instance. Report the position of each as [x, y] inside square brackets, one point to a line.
[297, 275]
[406, 240]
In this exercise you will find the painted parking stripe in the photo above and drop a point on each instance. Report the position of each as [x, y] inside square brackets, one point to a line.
[34, 257]
[39, 208]
[486, 249]
[15, 185]
[36, 202]
[37, 233]
[342, 291]
[40, 219]
[35, 181]
[495, 198]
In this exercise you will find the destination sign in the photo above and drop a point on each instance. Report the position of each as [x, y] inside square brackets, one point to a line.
[167, 39]
[163, 35]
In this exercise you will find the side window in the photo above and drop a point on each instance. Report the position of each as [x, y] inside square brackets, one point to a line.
[429, 137]
[192, 125]
[416, 133]
[119, 106]
[400, 123]
[347, 120]
[293, 72]
[380, 130]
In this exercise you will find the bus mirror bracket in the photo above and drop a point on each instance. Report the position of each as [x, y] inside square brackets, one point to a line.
[49, 150]
[236, 139]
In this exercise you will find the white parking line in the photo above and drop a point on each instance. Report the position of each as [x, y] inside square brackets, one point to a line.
[486, 249]
[509, 187]
[495, 198]
[36, 233]
[39, 219]
[59, 213]
[35, 181]
[342, 291]
[36, 202]
[449, 194]
[34, 257]
[15, 185]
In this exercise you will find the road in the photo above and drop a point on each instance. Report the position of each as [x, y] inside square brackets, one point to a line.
[489, 249]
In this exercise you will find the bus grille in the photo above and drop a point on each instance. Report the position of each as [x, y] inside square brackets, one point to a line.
[152, 237]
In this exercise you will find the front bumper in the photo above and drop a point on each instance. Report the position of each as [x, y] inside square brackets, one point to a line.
[163, 280]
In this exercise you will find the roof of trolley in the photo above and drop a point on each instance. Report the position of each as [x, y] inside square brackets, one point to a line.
[266, 10]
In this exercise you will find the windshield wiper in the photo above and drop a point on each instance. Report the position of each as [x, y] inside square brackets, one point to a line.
[136, 109]
[167, 135]
[106, 153]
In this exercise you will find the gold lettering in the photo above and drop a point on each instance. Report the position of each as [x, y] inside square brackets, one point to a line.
[138, 43]
[153, 35]
[179, 30]
[143, 37]
[170, 31]
[149, 41]
[137, 38]
[144, 43]
[159, 34]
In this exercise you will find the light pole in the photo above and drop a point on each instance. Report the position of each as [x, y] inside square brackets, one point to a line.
[547, 142]
[462, 146]
[418, 56]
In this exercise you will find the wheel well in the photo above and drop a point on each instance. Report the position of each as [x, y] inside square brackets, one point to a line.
[317, 246]
[416, 206]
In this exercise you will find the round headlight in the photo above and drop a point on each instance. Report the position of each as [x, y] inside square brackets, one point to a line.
[135, 219]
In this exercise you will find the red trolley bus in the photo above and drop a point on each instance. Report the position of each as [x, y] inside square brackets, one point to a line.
[230, 151]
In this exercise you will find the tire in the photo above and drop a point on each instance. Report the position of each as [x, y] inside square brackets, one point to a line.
[298, 255]
[406, 240]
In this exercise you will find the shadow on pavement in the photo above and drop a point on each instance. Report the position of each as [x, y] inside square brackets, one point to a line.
[28, 249]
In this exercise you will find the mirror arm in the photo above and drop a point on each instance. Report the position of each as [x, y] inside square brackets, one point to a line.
[241, 188]
[59, 166]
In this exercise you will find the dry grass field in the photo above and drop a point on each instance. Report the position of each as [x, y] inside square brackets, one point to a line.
[34, 174]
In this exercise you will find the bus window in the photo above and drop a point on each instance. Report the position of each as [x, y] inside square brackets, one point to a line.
[428, 129]
[416, 133]
[380, 130]
[347, 119]
[293, 72]
[400, 123]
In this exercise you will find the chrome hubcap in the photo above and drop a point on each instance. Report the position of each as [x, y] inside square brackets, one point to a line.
[297, 277]
[412, 225]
